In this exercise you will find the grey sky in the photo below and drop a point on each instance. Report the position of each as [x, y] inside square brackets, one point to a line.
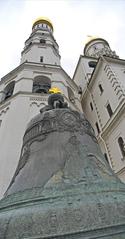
[73, 20]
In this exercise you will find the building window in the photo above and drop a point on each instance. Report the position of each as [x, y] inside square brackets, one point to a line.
[30, 43]
[100, 88]
[109, 109]
[41, 59]
[41, 85]
[121, 146]
[91, 106]
[92, 64]
[8, 91]
[97, 127]
[42, 41]
[80, 90]
[106, 157]
[0, 122]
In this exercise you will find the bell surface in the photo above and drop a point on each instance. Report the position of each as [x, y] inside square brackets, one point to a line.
[63, 186]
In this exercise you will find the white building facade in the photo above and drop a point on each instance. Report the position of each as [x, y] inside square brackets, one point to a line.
[101, 76]
[25, 90]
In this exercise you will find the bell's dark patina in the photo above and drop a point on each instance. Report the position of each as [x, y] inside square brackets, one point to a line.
[63, 187]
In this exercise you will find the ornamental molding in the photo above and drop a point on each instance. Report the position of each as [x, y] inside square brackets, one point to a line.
[112, 77]
[42, 73]
[119, 172]
[41, 98]
[4, 111]
[4, 106]
[37, 104]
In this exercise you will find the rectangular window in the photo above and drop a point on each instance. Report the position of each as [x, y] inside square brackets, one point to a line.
[42, 41]
[109, 109]
[91, 106]
[100, 88]
[41, 59]
[106, 157]
[97, 127]
[92, 64]
[0, 122]
[122, 146]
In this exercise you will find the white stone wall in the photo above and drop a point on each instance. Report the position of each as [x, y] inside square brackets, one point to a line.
[33, 54]
[12, 130]
[111, 76]
[108, 96]
[111, 138]
[83, 72]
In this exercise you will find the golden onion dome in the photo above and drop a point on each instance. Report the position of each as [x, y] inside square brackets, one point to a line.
[43, 20]
[91, 38]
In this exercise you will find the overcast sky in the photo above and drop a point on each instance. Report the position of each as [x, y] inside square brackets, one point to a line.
[73, 20]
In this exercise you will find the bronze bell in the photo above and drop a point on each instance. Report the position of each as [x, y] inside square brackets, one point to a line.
[63, 186]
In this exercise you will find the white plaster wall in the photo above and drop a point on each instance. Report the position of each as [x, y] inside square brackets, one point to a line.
[90, 114]
[83, 72]
[58, 80]
[35, 107]
[102, 99]
[92, 117]
[34, 53]
[12, 131]
[23, 85]
[117, 131]
[108, 95]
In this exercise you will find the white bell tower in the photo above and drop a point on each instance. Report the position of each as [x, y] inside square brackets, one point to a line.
[25, 90]
[41, 45]
[96, 47]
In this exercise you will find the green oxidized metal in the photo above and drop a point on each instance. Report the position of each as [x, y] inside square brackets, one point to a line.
[63, 187]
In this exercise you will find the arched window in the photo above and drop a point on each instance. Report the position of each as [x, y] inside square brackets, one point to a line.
[121, 145]
[8, 91]
[41, 84]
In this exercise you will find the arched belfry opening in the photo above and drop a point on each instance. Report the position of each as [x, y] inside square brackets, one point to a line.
[8, 91]
[41, 84]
